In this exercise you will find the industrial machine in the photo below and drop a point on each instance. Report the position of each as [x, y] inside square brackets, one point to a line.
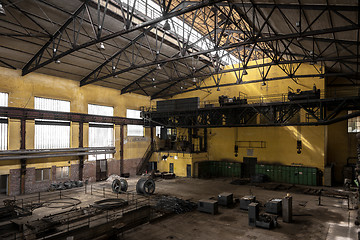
[208, 206]
[303, 95]
[245, 201]
[225, 199]
[274, 206]
[226, 101]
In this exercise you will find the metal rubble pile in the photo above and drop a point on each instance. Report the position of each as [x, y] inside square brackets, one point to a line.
[174, 204]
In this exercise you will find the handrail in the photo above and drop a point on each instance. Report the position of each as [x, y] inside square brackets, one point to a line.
[147, 155]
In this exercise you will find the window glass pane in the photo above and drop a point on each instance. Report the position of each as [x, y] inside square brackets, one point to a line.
[100, 110]
[52, 133]
[3, 126]
[46, 174]
[134, 130]
[133, 113]
[38, 174]
[51, 104]
[353, 124]
[65, 172]
[101, 134]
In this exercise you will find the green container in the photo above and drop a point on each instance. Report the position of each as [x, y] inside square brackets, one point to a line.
[279, 173]
[292, 175]
[312, 176]
[285, 174]
[301, 172]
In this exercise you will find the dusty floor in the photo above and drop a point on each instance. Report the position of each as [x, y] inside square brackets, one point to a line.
[332, 220]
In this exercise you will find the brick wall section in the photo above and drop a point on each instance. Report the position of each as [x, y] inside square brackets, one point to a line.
[53, 173]
[130, 165]
[31, 185]
[74, 172]
[113, 167]
[90, 171]
[14, 182]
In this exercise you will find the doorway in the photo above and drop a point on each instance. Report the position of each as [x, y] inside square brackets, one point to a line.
[171, 167]
[188, 170]
[249, 164]
[101, 170]
[4, 184]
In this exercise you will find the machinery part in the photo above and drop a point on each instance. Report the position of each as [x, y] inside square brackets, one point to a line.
[225, 199]
[110, 203]
[145, 186]
[119, 185]
[208, 206]
[253, 213]
[62, 203]
[9, 202]
[274, 206]
[245, 201]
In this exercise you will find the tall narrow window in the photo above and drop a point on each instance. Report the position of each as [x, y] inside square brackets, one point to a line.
[353, 124]
[52, 133]
[3, 123]
[134, 130]
[101, 134]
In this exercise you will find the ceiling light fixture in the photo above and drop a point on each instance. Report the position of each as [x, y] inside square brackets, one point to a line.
[102, 46]
[158, 67]
[194, 80]
[166, 26]
[58, 61]
[245, 72]
[2, 10]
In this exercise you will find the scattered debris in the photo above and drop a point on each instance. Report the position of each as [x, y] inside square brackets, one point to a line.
[65, 185]
[112, 177]
[174, 204]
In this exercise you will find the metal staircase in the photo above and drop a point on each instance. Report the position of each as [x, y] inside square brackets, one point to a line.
[141, 168]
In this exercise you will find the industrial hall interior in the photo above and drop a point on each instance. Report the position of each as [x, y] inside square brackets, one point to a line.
[183, 120]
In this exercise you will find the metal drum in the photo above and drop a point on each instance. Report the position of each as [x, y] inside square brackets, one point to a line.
[145, 186]
[119, 185]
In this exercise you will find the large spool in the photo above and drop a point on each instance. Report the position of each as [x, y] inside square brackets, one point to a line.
[119, 185]
[145, 186]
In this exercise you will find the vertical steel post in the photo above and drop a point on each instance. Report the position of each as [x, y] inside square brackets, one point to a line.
[81, 145]
[121, 149]
[22, 161]
[357, 174]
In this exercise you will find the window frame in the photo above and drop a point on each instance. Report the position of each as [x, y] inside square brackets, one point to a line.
[61, 174]
[55, 139]
[42, 174]
[131, 128]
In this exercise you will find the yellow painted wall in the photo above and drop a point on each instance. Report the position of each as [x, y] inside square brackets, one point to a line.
[23, 89]
[180, 161]
[280, 141]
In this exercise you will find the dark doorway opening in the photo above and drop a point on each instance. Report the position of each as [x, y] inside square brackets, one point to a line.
[188, 170]
[171, 167]
[101, 170]
[249, 164]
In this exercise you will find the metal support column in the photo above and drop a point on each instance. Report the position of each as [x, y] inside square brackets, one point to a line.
[190, 139]
[205, 139]
[152, 136]
[357, 174]
[81, 144]
[121, 149]
[22, 161]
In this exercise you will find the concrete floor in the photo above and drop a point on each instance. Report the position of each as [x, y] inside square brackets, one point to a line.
[332, 220]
